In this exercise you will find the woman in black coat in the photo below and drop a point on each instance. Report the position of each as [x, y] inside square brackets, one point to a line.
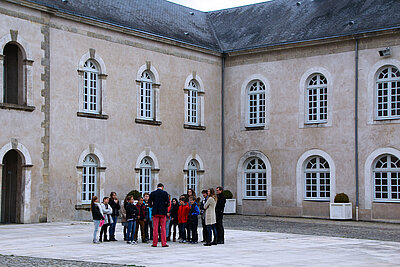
[97, 215]
[174, 218]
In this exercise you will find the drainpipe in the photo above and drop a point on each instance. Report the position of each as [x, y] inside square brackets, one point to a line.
[222, 121]
[356, 125]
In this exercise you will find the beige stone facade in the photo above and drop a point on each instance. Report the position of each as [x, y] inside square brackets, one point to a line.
[53, 134]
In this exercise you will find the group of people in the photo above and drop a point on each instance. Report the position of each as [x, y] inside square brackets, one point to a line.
[158, 217]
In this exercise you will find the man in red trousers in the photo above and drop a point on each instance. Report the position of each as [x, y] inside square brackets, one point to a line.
[159, 203]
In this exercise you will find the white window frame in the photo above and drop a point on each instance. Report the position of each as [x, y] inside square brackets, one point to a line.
[192, 177]
[89, 178]
[145, 182]
[318, 90]
[390, 173]
[317, 171]
[194, 90]
[192, 110]
[91, 82]
[155, 169]
[189, 170]
[389, 85]
[260, 104]
[257, 173]
[146, 96]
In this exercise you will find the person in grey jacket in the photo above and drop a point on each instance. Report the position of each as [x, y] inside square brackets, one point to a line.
[97, 214]
[107, 211]
[210, 218]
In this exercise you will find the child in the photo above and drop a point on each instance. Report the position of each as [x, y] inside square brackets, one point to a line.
[97, 214]
[193, 220]
[141, 220]
[107, 211]
[183, 213]
[123, 218]
[174, 218]
[131, 214]
[147, 225]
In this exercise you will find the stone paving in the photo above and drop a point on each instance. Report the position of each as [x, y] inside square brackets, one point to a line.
[69, 244]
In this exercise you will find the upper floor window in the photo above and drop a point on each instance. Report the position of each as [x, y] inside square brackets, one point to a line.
[387, 178]
[192, 175]
[89, 178]
[388, 93]
[13, 75]
[256, 104]
[91, 88]
[145, 177]
[192, 103]
[317, 179]
[146, 96]
[255, 177]
[317, 99]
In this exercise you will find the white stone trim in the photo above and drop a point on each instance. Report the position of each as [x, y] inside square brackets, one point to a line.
[152, 70]
[368, 170]
[154, 171]
[300, 174]
[243, 100]
[302, 97]
[200, 172]
[200, 98]
[371, 90]
[26, 177]
[240, 176]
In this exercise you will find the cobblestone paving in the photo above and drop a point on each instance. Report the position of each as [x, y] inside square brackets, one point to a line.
[304, 226]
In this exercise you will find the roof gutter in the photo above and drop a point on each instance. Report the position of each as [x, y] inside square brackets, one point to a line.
[356, 126]
[223, 120]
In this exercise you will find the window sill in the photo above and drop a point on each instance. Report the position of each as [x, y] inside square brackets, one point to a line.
[148, 122]
[92, 116]
[255, 198]
[317, 200]
[254, 128]
[194, 127]
[16, 107]
[83, 207]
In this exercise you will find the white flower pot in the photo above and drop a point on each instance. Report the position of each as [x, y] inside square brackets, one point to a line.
[230, 206]
[341, 211]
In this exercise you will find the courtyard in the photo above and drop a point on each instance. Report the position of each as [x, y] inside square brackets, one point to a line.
[250, 241]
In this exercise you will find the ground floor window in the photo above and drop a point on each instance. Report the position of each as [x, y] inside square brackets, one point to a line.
[255, 176]
[317, 179]
[89, 178]
[387, 178]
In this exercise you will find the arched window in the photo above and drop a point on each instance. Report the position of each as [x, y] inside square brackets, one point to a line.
[91, 88]
[256, 104]
[317, 99]
[255, 177]
[387, 178]
[13, 75]
[317, 179]
[192, 103]
[89, 178]
[146, 96]
[145, 175]
[192, 175]
[388, 93]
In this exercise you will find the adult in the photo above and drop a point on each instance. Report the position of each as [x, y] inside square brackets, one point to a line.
[107, 211]
[159, 203]
[210, 217]
[219, 212]
[97, 214]
[114, 203]
[203, 215]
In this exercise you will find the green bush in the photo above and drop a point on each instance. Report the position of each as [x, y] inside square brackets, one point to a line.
[228, 194]
[341, 198]
[136, 194]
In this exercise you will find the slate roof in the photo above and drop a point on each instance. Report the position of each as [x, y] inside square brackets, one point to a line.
[264, 24]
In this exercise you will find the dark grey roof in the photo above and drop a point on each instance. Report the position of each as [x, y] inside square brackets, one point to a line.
[257, 25]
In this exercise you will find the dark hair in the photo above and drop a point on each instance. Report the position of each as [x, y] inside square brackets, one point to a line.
[140, 198]
[160, 185]
[129, 197]
[183, 198]
[172, 201]
[146, 194]
[94, 198]
[204, 191]
[220, 188]
[104, 198]
[192, 198]
[111, 194]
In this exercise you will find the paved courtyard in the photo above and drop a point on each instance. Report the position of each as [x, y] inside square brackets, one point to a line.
[50, 243]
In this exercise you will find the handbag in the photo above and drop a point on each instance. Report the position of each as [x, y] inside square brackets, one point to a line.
[101, 223]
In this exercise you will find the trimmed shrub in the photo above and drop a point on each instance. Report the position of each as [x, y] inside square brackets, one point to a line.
[136, 194]
[228, 194]
[341, 198]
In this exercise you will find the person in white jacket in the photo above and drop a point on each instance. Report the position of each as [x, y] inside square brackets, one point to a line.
[107, 212]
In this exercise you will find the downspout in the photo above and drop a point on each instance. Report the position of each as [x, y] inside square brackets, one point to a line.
[356, 126]
[222, 121]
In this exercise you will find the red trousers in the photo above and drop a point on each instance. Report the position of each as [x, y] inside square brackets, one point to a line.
[159, 220]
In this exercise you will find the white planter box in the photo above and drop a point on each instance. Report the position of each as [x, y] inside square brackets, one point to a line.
[230, 206]
[341, 211]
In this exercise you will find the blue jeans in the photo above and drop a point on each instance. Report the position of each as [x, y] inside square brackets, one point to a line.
[111, 231]
[167, 226]
[131, 230]
[182, 230]
[211, 228]
[96, 229]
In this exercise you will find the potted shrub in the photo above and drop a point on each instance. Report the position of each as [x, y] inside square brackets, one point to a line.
[341, 209]
[136, 195]
[230, 206]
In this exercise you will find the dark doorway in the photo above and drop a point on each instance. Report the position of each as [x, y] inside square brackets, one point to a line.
[11, 193]
[13, 81]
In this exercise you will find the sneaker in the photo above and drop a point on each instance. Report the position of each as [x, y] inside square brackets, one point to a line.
[184, 241]
[128, 242]
[134, 242]
[180, 241]
[96, 242]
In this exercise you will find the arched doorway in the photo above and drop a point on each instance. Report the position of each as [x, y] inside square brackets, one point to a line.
[12, 189]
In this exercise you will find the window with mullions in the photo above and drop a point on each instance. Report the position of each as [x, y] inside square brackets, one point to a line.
[387, 179]
[91, 89]
[192, 103]
[146, 96]
[192, 175]
[89, 178]
[255, 175]
[145, 176]
[256, 104]
[388, 93]
[317, 179]
[317, 99]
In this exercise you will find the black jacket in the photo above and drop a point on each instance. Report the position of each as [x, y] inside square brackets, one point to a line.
[159, 201]
[220, 203]
[131, 211]
[96, 213]
[115, 207]
[174, 212]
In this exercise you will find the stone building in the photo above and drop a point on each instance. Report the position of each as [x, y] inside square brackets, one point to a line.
[285, 103]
